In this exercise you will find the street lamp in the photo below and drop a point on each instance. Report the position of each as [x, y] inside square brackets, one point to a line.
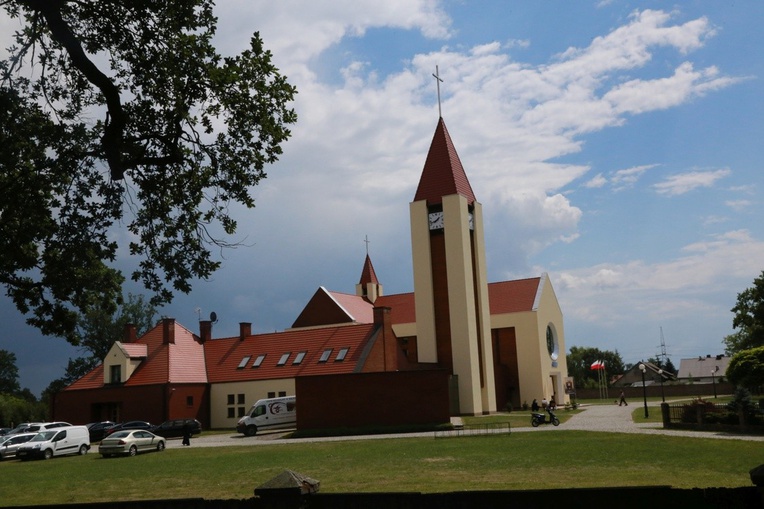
[713, 380]
[642, 368]
[663, 396]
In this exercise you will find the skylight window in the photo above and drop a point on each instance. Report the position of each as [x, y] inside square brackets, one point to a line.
[258, 361]
[284, 358]
[244, 361]
[341, 354]
[299, 358]
[325, 355]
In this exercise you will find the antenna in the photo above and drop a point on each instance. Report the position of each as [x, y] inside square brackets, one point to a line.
[198, 312]
[663, 355]
[214, 317]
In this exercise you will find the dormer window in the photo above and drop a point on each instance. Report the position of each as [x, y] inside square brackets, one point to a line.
[258, 361]
[299, 358]
[244, 362]
[284, 358]
[325, 355]
[341, 354]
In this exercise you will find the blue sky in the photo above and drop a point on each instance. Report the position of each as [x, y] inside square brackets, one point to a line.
[613, 144]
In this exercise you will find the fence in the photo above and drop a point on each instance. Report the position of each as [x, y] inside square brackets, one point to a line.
[494, 428]
[707, 416]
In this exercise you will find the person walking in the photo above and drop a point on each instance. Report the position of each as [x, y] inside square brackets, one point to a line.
[186, 434]
[623, 400]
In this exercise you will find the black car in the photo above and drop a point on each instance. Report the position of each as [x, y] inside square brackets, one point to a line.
[176, 428]
[97, 430]
[127, 425]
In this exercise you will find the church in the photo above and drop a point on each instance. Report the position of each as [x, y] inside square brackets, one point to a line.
[456, 345]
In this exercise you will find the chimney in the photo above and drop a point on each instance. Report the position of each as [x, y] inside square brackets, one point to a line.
[168, 331]
[205, 330]
[390, 344]
[245, 329]
[130, 334]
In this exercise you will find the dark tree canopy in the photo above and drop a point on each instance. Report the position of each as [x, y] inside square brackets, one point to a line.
[122, 114]
[748, 320]
[9, 373]
[746, 369]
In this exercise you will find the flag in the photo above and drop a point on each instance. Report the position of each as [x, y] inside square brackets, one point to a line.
[597, 365]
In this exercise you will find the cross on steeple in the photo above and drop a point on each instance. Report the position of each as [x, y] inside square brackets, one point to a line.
[438, 80]
[367, 241]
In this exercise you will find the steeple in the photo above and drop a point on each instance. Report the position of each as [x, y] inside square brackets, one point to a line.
[368, 286]
[443, 173]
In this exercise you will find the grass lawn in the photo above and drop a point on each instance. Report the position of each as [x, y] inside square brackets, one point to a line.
[531, 460]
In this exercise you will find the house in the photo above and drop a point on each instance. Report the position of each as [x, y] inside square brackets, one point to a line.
[653, 375]
[708, 369]
[476, 346]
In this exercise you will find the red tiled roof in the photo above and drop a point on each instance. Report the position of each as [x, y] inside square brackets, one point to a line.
[443, 173]
[402, 308]
[134, 350]
[358, 308]
[225, 355]
[513, 296]
[367, 274]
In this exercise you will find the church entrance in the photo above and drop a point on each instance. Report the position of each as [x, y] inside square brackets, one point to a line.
[506, 376]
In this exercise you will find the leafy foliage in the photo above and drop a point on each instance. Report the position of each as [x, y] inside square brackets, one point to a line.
[746, 368]
[749, 319]
[123, 113]
[580, 360]
[9, 373]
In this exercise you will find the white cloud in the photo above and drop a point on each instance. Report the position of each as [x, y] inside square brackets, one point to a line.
[686, 182]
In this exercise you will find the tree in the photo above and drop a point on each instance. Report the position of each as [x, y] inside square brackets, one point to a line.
[746, 368]
[9, 373]
[749, 319]
[668, 366]
[123, 113]
[580, 359]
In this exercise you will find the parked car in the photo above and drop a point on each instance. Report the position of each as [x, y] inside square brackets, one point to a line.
[44, 426]
[9, 444]
[130, 443]
[59, 441]
[97, 430]
[23, 427]
[177, 427]
[127, 425]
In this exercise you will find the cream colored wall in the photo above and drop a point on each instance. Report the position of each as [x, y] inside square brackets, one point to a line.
[423, 292]
[252, 391]
[534, 363]
[118, 357]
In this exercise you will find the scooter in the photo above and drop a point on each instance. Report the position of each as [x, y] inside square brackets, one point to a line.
[539, 418]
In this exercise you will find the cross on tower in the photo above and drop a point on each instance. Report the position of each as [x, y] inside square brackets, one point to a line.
[438, 80]
[366, 240]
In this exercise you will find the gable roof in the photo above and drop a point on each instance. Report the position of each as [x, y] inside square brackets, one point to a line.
[225, 356]
[443, 173]
[514, 296]
[701, 367]
[331, 308]
[180, 362]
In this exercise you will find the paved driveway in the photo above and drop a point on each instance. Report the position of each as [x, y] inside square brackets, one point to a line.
[606, 418]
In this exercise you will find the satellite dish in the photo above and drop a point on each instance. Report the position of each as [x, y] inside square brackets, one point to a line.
[213, 317]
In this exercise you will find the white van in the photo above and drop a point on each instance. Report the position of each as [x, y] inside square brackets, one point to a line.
[56, 442]
[268, 414]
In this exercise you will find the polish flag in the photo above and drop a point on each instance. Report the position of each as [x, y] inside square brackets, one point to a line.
[598, 365]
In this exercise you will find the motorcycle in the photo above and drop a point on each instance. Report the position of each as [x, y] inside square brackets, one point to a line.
[539, 418]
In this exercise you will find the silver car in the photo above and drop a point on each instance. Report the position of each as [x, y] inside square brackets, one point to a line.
[10, 444]
[130, 443]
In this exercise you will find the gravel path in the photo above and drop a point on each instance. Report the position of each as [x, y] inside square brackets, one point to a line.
[606, 418]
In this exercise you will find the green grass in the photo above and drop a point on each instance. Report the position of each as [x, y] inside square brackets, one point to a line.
[522, 461]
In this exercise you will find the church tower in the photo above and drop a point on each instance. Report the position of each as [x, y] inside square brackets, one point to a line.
[368, 286]
[450, 280]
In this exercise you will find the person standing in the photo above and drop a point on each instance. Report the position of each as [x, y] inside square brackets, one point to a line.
[186, 434]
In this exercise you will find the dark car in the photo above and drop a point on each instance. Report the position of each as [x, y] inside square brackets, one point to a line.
[176, 428]
[127, 425]
[97, 430]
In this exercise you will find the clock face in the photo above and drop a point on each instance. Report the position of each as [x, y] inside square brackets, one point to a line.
[472, 221]
[436, 220]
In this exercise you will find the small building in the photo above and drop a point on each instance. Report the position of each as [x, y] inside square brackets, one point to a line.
[653, 375]
[703, 369]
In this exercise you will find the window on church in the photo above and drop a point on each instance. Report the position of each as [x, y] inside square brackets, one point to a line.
[341, 354]
[244, 362]
[325, 355]
[284, 358]
[258, 361]
[299, 358]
